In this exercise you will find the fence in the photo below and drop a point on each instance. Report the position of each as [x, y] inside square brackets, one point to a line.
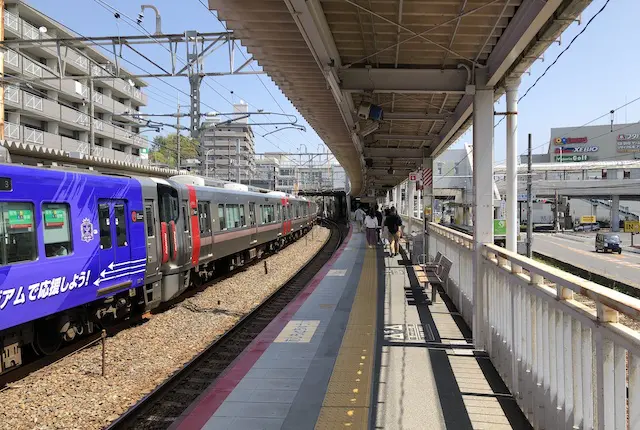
[556, 339]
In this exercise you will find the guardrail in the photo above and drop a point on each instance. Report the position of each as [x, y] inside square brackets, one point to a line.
[556, 339]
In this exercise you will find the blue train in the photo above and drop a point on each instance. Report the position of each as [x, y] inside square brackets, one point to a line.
[81, 250]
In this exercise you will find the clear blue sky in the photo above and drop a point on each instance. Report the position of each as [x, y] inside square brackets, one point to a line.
[597, 74]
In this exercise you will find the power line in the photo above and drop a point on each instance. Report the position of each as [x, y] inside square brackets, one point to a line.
[559, 55]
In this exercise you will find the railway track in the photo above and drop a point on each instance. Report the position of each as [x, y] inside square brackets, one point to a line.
[33, 363]
[160, 408]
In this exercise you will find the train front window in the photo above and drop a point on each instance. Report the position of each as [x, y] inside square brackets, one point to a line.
[18, 233]
[168, 203]
[57, 229]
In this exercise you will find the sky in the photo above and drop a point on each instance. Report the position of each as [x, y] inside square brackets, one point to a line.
[597, 74]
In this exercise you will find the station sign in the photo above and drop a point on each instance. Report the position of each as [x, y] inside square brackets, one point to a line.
[569, 149]
[413, 176]
[499, 227]
[571, 158]
[570, 140]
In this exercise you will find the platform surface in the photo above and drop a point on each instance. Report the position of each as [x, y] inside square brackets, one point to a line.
[360, 348]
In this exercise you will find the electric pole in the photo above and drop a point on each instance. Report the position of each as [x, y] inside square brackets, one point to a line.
[178, 134]
[92, 113]
[529, 202]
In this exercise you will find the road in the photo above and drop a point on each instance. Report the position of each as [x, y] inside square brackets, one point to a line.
[580, 251]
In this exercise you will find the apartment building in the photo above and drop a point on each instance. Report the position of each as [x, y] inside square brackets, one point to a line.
[56, 113]
[229, 148]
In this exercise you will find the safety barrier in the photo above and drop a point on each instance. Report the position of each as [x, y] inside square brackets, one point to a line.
[556, 339]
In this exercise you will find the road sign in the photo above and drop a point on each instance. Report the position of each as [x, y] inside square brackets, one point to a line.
[632, 226]
[144, 154]
[587, 219]
[499, 227]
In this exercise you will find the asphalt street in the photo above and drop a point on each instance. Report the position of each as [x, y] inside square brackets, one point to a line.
[580, 251]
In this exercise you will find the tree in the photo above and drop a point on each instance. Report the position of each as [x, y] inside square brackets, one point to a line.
[164, 149]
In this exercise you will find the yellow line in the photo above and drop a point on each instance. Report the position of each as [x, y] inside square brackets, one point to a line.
[347, 400]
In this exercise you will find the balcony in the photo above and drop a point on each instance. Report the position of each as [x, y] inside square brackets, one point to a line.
[11, 24]
[76, 119]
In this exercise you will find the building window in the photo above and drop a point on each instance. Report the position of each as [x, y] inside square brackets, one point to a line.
[439, 168]
[18, 233]
[627, 174]
[57, 229]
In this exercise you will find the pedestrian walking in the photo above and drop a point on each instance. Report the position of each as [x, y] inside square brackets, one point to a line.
[360, 215]
[385, 229]
[379, 218]
[371, 223]
[394, 224]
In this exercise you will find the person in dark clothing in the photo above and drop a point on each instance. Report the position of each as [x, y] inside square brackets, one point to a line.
[394, 223]
[379, 217]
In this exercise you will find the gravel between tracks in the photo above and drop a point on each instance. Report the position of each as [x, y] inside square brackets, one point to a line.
[71, 394]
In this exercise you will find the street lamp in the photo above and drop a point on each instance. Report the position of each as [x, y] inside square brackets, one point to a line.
[206, 162]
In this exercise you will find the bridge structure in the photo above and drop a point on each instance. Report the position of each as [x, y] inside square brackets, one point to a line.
[389, 85]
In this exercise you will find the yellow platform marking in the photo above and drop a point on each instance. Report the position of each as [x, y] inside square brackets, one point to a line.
[297, 332]
[347, 400]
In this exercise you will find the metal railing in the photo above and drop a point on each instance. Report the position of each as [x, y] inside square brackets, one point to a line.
[32, 101]
[12, 94]
[29, 31]
[32, 135]
[11, 131]
[12, 57]
[32, 68]
[564, 346]
[11, 21]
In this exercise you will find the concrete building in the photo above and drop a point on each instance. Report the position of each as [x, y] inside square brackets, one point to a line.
[267, 173]
[56, 113]
[229, 148]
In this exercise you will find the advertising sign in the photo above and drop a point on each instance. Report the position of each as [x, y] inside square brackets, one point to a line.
[570, 149]
[632, 226]
[54, 218]
[144, 154]
[628, 145]
[569, 140]
[20, 218]
[499, 227]
[630, 136]
[571, 158]
[587, 219]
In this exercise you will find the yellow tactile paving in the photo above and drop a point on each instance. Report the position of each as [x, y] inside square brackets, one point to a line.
[346, 403]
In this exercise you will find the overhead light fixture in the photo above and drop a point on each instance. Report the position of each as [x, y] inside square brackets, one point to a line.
[42, 29]
[130, 81]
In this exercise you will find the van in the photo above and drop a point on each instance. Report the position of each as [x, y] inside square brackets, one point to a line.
[608, 242]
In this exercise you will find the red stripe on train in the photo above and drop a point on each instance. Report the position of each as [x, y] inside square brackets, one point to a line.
[195, 225]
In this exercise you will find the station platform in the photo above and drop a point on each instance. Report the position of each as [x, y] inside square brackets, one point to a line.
[361, 347]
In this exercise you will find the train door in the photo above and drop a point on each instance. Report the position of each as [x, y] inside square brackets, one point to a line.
[252, 222]
[115, 251]
[187, 239]
[150, 220]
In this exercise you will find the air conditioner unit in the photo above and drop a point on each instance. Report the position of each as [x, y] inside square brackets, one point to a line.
[369, 111]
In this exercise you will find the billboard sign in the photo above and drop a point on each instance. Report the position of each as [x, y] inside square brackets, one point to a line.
[571, 158]
[629, 136]
[628, 145]
[570, 140]
[632, 227]
[588, 219]
[570, 149]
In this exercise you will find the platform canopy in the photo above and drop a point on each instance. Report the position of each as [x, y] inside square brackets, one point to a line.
[418, 60]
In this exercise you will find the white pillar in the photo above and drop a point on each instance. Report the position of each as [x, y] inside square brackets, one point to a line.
[615, 213]
[427, 205]
[512, 165]
[482, 201]
[411, 186]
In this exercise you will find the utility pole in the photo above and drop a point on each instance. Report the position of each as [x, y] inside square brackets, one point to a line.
[178, 134]
[529, 202]
[238, 160]
[556, 209]
[2, 71]
[92, 113]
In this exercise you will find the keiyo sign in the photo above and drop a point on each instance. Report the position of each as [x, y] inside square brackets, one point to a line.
[569, 149]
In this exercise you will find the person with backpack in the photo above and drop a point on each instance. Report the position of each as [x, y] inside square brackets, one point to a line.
[394, 224]
[379, 218]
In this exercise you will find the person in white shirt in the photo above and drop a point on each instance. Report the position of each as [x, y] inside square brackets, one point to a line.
[371, 224]
[360, 214]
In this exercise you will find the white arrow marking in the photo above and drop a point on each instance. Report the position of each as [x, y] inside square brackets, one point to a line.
[105, 273]
[99, 280]
[112, 264]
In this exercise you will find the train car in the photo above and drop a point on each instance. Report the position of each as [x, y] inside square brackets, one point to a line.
[81, 250]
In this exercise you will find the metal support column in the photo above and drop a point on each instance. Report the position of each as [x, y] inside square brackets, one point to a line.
[194, 113]
[512, 165]
[411, 186]
[482, 202]
[238, 162]
[92, 114]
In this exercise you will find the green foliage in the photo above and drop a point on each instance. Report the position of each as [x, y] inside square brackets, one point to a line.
[164, 149]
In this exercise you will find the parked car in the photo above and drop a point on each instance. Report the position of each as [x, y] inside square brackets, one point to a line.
[587, 227]
[608, 242]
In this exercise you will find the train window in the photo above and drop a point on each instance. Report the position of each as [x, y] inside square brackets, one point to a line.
[148, 214]
[168, 203]
[205, 223]
[57, 229]
[121, 224]
[185, 214]
[233, 216]
[223, 223]
[278, 212]
[18, 233]
[105, 226]
[243, 221]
